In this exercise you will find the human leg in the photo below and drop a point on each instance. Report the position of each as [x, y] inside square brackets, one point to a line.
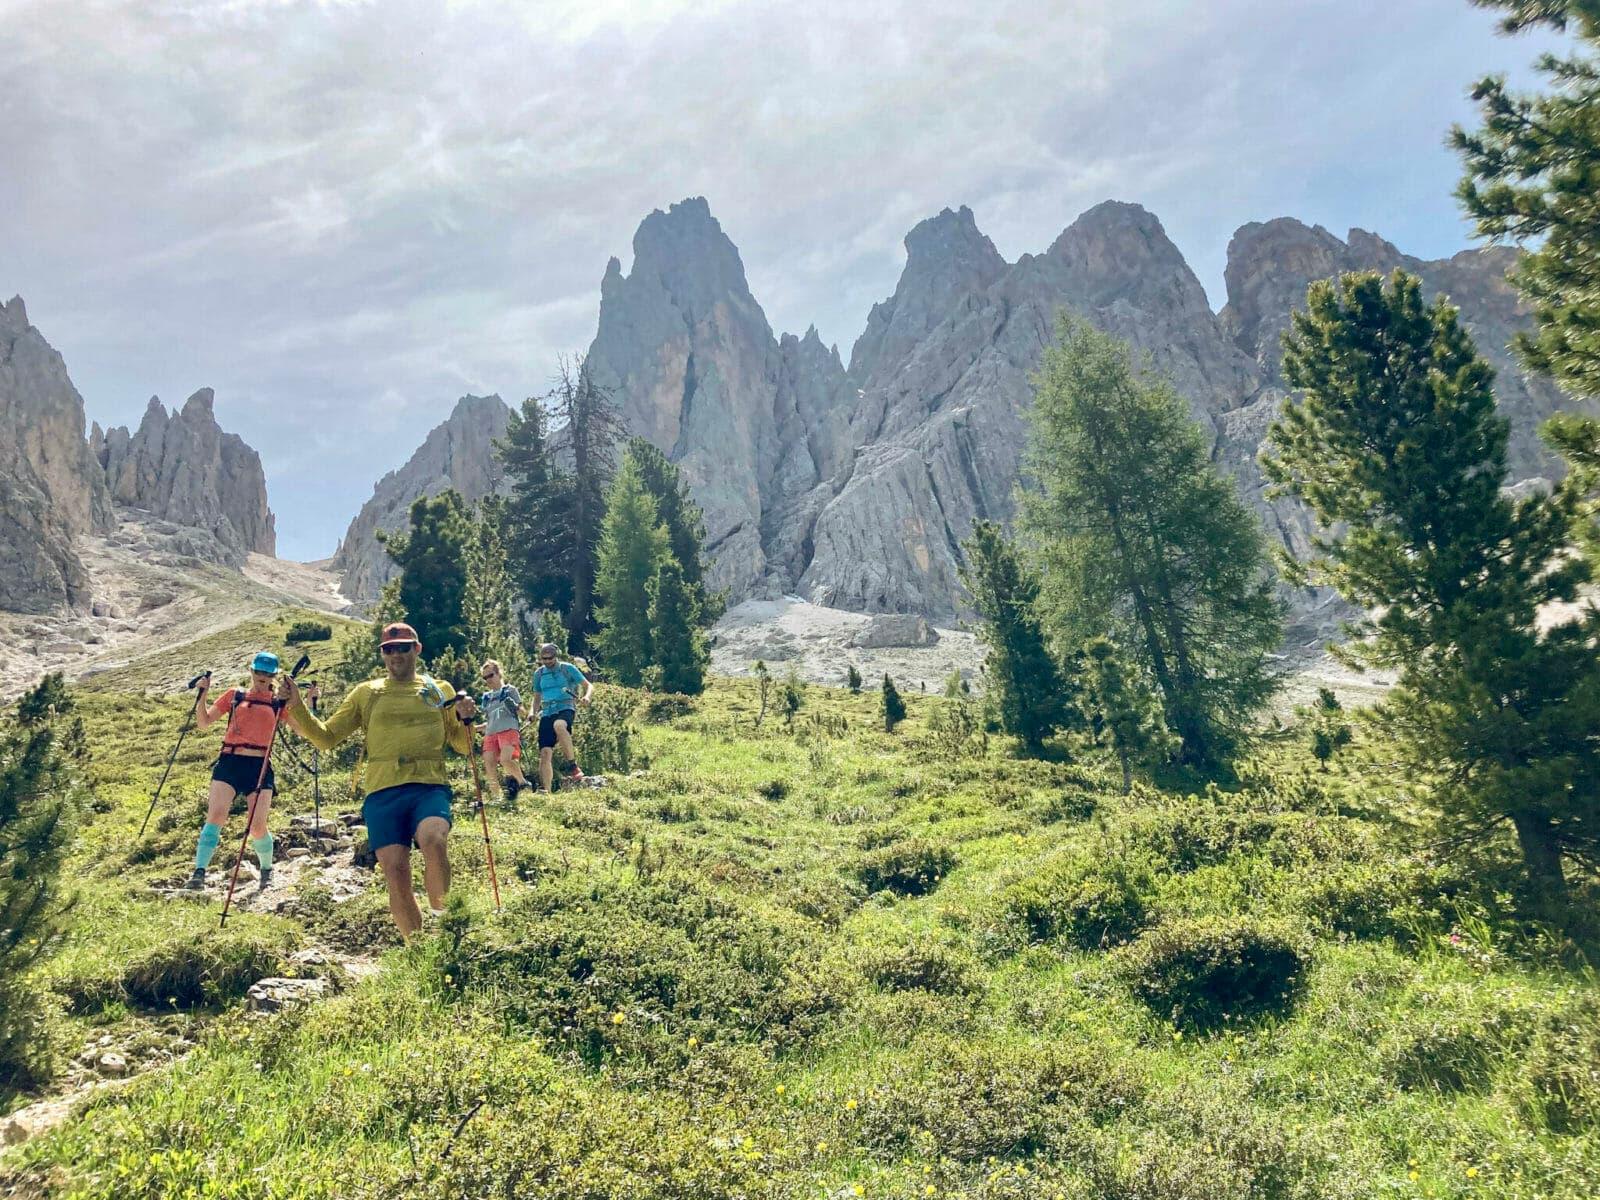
[510, 752]
[396, 864]
[563, 728]
[546, 768]
[433, 840]
[261, 836]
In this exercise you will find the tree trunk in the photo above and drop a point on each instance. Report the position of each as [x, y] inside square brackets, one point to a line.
[1127, 774]
[1541, 856]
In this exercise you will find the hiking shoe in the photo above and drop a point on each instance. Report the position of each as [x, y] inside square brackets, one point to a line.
[265, 881]
[575, 774]
[195, 882]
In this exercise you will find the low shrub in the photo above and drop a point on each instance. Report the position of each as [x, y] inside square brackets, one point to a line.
[309, 631]
[1092, 905]
[186, 973]
[1437, 1054]
[672, 960]
[1202, 972]
[928, 968]
[661, 707]
[603, 737]
[1558, 1085]
[1195, 833]
[969, 1100]
[912, 867]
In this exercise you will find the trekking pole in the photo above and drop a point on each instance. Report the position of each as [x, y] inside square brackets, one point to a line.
[255, 794]
[483, 816]
[316, 776]
[182, 733]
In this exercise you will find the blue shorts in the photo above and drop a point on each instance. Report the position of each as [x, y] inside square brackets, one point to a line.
[393, 813]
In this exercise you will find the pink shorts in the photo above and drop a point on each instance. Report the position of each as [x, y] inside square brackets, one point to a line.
[509, 737]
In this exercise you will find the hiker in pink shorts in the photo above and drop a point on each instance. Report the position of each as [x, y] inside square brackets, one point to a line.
[502, 730]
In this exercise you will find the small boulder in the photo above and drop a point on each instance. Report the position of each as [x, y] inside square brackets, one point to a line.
[895, 630]
[298, 852]
[111, 1063]
[277, 994]
[363, 856]
[155, 600]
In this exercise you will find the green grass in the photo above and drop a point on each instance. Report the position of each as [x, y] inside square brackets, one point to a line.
[794, 965]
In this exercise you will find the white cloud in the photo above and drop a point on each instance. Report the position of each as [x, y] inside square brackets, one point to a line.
[339, 212]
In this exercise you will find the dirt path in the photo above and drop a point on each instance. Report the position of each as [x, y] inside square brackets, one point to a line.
[86, 1079]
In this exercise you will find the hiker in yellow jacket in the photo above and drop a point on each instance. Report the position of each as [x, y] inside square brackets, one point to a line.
[407, 721]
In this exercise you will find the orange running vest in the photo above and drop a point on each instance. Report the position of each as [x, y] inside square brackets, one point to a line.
[251, 717]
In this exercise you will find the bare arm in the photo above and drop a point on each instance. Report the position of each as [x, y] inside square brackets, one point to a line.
[324, 735]
[204, 716]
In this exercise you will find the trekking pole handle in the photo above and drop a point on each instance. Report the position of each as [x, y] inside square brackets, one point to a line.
[198, 678]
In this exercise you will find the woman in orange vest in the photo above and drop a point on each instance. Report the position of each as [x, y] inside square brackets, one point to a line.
[252, 717]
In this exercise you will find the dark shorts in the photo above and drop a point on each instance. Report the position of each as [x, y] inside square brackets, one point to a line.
[240, 772]
[393, 814]
[547, 726]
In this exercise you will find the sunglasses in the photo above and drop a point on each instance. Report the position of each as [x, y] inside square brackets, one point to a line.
[547, 658]
[491, 674]
[397, 648]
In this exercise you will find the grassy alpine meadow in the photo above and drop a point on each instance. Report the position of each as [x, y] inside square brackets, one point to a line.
[826, 961]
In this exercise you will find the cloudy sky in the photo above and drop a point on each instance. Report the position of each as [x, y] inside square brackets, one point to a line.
[343, 215]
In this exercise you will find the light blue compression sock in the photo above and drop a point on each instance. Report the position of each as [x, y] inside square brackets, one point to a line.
[263, 848]
[210, 835]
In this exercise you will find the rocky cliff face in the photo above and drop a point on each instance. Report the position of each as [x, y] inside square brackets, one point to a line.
[458, 453]
[855, 486]
[182, 468]
[51, 489]
[1270, 266]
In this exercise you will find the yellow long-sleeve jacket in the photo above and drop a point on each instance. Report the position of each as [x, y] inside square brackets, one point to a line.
[405, 736]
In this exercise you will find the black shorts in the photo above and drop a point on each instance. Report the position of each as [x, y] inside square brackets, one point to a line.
[240, 772]
[547, 726]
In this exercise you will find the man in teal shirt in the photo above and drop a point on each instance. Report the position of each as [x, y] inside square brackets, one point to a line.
[561, 688]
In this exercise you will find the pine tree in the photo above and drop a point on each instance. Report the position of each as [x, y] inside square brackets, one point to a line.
[486, 609]
[1330, 733]
[361, 659]
[680, 650]
[537, 517]
[1140, 536]
[1531, 179]
[552, 630]
[433, 563]
[852, 679]
[1128, 713]
[633, 546]
[763, 688]
[685, 524]
[894, 708]
[41, 800]
[593, 428]
[1397, 446]
[791, 696]
[1029, 692]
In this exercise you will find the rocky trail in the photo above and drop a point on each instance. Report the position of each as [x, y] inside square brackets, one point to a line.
[325, 853]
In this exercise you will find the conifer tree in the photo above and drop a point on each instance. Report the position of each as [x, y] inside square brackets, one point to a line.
[1140, 536]
[537, 517]
[763, 688]
[1531, 179]
[433, 563]
[894, 708]
[852, 679]
[592, 429]
[684, 522]
[1129, 714]
[41, 800]
[1029, 692]
[680, 650]
[633, 546]
[486, 609]
[552, 630]
[1397, 447]
[361, 658]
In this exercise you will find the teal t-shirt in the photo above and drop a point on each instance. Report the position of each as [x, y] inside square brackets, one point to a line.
[559, 687]
[500, 709]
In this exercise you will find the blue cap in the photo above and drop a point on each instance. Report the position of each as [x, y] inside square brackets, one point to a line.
[265, 661]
